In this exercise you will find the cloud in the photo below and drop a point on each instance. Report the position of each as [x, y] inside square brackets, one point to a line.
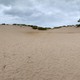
[41, 12]
[7, 2]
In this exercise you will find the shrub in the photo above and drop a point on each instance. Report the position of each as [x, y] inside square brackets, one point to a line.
[48, 28]
[68, 26]
[56, 27]
[79, 20]
[30, 25]
[78, 25]
[3, 24]
[41, 28]
[64, 26]
[7, 24]
[18, 24]
[23, 24]
[34, 27]
[14, 24]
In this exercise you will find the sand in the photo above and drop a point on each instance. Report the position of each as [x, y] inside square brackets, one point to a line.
[27, 54]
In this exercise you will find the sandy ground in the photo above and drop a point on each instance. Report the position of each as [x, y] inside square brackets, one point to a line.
[27, 54]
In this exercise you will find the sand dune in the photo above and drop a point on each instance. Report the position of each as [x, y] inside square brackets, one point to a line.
[27, 54]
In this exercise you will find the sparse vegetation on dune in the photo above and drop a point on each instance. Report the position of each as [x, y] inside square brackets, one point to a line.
[48, 28]
[56, 27]
[23, 24]
[41, 28]
[14, 24]
[64, 26]
[34, 27]
[78, 25]
[3, 24]
[19, 24]
[31, 25]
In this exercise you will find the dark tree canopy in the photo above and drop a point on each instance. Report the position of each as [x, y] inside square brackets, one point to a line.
[79, 20]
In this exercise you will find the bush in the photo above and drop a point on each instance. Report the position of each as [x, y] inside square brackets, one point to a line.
[48, 28]
[14, 24]
[7, 24]
[18, 24]
[56, 27]
[23, 24]
[41, 28]
[63, 26]
[78, 25]
[3, 24]
[30, 25]
[79, 20]
[34, 27]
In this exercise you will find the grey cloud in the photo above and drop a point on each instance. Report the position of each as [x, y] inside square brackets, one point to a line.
[7, 2]
[22, 13]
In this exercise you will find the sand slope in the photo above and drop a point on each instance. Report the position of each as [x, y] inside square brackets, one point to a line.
[27, 54]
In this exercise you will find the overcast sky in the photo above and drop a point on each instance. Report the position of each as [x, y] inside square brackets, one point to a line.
[45, 13]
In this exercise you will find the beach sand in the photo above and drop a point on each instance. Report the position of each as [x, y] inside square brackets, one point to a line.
[27, 54]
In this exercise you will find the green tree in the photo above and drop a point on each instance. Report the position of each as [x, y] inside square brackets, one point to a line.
[79, 20]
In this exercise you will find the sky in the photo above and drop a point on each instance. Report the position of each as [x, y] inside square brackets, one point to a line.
[43, 13]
